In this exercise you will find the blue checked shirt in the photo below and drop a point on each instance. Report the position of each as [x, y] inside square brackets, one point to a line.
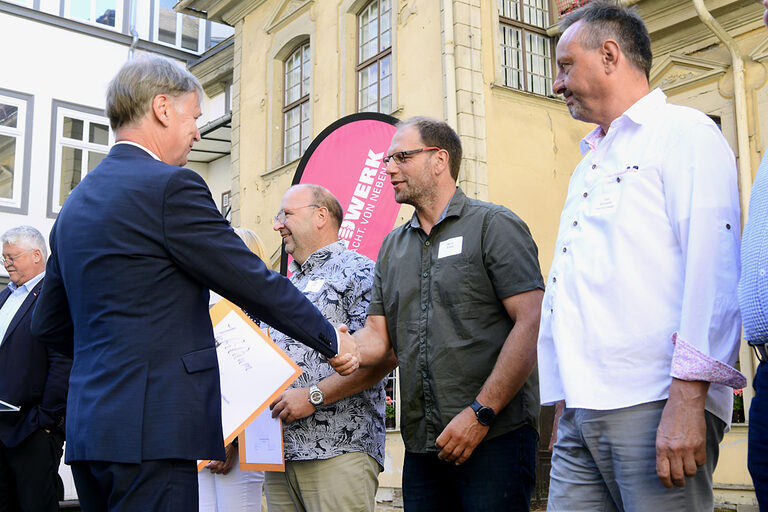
[753, 285]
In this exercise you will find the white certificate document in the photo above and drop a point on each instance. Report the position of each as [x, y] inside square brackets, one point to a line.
[6, 407]
[261, 444]
[253, 370]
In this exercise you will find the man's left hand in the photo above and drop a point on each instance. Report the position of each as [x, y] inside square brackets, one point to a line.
[460, 437]
[293, 404]
[682, 434]
[222, 467]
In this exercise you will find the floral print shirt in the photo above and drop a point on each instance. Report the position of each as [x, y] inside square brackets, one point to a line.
[338, 282]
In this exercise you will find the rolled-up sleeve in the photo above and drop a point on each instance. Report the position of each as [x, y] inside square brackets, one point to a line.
[701, 193]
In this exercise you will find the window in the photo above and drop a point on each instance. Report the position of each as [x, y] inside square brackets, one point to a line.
[392, 410]
[81, 141]
[15, 139]
[218, 33]
[526, 50]
[100, 12]
[374, 68]
[176, 29]
[296, 130]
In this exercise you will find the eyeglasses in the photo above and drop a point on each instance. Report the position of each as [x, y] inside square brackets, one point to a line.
[8, 260]
[282, 214]
[401, 156]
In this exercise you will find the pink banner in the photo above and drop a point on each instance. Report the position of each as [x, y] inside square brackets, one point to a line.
[347, 159]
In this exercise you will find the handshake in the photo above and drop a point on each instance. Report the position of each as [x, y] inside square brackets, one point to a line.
[347, 359]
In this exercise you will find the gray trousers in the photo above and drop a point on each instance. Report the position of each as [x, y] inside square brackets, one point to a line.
[605, 461]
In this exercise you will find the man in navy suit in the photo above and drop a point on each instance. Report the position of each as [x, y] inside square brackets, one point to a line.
[134, 251]
[33, 378]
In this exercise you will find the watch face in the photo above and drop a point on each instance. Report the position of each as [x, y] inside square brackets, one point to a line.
[485, 415]
[316, 397]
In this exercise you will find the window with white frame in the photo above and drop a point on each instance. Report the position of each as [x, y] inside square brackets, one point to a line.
[176, 29]
[296, 126]
[374, 57]
[108, 13]
[218, 33]
[82, 140]
[391, 408]
[13, 142]
[526, 50]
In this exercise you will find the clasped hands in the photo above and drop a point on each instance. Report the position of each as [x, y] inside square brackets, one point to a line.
[348, 358]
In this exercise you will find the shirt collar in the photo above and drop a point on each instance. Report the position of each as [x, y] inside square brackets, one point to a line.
[29, 284]
[318, 257]
[131, 143]
[642, 111]
[453, 209]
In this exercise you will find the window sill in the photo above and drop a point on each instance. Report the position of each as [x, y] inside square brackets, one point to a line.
[537, 98]
[292, 165]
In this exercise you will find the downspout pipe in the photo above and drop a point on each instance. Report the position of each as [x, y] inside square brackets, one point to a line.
[748, 363]
[134, 33]
[451, 110]
[740, 103]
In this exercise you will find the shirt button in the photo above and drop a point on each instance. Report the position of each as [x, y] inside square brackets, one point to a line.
[554, 279]
[575, 223]
[423, 307]
[727, 226]
[427, 243]
[427, 409]
[618, 179]
[565, 249]
[594, 166]
[426, 274]
[424, 374]
[551, 310]
[585, 194]
[422, 339]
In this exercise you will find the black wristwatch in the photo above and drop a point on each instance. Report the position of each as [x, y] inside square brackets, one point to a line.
[485, 415]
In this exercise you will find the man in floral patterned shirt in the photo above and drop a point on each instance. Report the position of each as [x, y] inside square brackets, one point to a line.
[333, 426]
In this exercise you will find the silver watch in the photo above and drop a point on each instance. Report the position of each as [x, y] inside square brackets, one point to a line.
[316, 396]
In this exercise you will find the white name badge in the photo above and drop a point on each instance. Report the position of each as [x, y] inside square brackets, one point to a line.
[607, 201]
[450, 247]
[314, 286]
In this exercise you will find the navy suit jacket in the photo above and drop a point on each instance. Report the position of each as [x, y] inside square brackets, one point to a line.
[32, 376]
[134, 251]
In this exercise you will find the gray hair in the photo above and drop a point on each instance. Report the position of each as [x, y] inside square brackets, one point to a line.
[605, 19]
[130, 93]
[26, 235]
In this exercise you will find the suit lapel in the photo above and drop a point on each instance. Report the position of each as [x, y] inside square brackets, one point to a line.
[31, 298]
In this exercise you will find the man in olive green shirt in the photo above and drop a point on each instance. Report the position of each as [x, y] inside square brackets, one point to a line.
[457, 294]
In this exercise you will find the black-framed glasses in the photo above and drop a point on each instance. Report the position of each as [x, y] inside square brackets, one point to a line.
[281, 214]
[400, 157]
[8, 260]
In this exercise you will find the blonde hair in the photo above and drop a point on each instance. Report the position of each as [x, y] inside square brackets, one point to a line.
[253, 242]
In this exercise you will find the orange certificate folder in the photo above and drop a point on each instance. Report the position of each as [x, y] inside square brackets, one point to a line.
[252, 368]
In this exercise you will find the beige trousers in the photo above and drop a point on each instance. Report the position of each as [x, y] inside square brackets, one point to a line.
[345, 483]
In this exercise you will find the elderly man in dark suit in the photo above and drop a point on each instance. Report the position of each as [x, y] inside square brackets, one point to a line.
[134, 251]
[33, 378]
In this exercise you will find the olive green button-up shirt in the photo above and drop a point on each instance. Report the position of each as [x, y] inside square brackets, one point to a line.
[441, 295]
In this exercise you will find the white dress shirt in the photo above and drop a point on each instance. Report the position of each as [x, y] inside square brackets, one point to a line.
[648, 248]
[14, 301]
